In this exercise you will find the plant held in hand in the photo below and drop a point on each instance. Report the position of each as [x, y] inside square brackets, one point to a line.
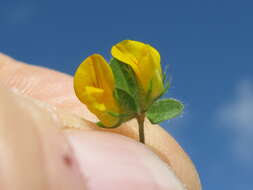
[129, 87]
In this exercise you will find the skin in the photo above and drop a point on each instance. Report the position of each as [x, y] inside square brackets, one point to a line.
[49, 141]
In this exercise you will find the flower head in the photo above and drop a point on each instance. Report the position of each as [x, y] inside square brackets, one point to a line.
[145, 62]
[94, 85]
[128, 87]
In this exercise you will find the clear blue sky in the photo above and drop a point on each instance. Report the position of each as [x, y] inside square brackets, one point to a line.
[207, 43]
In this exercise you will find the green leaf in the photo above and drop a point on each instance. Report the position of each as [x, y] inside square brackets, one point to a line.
[124, 77]
[120, 76]
[100, 124]
[165, 72]
[119, 114]
[165, 109]
[127, 88]
[166, 87]
[125, 101]
[166, 81]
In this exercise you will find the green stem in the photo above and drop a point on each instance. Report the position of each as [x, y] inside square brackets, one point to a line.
[140, 119]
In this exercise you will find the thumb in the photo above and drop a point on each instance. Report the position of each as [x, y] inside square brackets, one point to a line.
[36, 155]
[56, 89]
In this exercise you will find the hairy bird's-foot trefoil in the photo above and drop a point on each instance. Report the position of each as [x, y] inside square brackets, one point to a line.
[129, 87]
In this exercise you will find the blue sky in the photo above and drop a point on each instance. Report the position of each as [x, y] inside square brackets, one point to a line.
[207, 44]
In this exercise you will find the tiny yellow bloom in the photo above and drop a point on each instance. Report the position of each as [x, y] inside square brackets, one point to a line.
[145, 62]
[94, 85]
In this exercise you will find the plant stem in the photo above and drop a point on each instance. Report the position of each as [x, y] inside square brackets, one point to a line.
[140, 119]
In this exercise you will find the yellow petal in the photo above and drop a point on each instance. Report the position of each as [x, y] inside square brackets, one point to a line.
[93, 71]
[94, 85]
[144, 60]
[94, 98]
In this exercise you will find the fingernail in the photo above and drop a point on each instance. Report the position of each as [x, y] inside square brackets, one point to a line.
[112, 162]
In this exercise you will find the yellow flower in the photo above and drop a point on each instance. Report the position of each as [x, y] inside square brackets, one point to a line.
[94, 85]
[145, 62]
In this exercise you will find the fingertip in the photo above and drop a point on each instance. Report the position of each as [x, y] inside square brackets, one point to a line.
[111, 161]
[56, 89]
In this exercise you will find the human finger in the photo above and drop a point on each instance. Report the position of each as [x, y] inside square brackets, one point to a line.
[56, 88]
